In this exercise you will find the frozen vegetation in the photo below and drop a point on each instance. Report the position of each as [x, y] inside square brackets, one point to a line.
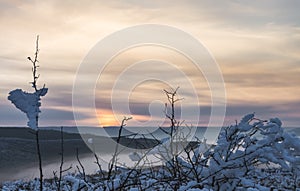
[28, 103]
[251, 155]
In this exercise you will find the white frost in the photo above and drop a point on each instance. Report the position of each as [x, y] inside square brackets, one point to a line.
[28, 103]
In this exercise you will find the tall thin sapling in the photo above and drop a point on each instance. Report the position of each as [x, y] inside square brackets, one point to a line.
[29, 103]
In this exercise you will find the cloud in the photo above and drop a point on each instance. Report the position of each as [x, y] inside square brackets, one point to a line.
[255, 43]
[49, 116]
[56, 115]
[10, 116]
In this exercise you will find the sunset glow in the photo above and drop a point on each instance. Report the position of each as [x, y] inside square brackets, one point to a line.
[257, 52]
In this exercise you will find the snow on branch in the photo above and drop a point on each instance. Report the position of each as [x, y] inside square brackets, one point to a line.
[28, 103]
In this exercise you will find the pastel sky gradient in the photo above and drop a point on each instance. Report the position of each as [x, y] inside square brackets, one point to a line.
[256, 44]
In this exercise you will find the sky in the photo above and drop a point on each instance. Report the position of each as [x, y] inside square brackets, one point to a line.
[255, 44]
